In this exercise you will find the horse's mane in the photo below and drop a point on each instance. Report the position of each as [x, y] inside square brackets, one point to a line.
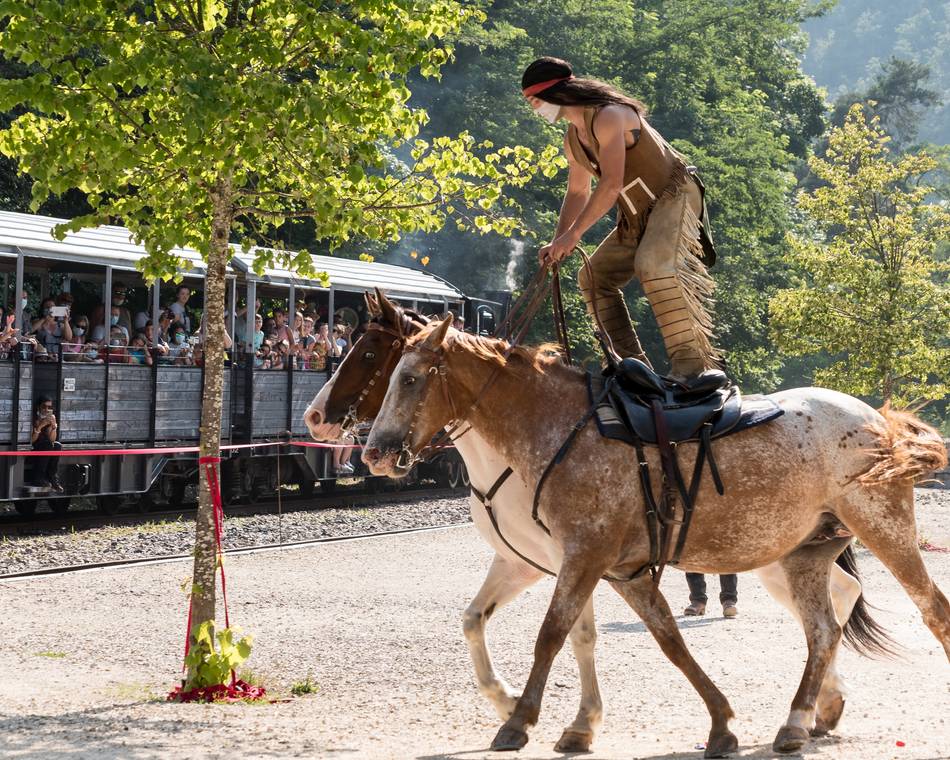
[542, 359]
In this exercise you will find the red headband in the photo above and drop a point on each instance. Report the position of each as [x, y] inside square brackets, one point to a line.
[542, 86]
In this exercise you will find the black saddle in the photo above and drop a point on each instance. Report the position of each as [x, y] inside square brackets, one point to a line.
[632, 403]
[640, 395]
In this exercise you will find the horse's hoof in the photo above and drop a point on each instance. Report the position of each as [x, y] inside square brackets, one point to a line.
[574, 741]
[722, 745]
[789, 739]
[828, 718]
[509, 739]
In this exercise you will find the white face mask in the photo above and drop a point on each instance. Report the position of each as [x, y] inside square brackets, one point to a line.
[548, 111]
[23, 303]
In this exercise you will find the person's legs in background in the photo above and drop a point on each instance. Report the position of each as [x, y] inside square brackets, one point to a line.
[697, 594]
[729, 594]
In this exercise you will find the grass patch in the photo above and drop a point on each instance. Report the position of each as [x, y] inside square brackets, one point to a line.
[53, 655]
[307, 686]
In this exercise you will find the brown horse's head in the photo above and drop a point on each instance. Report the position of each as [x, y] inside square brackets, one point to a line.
[356, 390]
[417, 405]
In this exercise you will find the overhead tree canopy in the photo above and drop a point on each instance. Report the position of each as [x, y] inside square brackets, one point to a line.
[199, 122]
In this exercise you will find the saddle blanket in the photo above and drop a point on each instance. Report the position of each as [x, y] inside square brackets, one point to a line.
[755, 410]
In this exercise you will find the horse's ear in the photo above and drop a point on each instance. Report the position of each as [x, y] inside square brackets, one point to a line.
[388, 310]
[372, 305]
[434, 339]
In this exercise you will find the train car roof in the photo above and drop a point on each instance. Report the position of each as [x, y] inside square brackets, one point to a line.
[113, 246]
[351, 274]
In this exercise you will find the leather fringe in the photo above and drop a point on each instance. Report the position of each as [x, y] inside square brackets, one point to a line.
[697, 287]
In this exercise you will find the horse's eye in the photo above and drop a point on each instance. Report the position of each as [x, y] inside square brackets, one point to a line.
[369, 356]
[408, 380]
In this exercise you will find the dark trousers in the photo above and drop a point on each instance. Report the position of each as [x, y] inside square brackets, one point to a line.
[45, 467]
[728, 588]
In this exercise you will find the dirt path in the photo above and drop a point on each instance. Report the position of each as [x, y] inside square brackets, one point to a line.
[375, 623]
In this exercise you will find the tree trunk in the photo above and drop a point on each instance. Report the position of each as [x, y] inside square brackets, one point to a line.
[203, 585]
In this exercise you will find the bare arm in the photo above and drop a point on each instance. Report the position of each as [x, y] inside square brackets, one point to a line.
[578, 191]
[609, 130]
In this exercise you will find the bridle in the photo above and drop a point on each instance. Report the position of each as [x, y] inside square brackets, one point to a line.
[527, 304]
[406, 325]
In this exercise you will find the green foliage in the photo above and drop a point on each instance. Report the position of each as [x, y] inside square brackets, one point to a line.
[723, 84]
[871, 288]
[307, 686]
[208, 666]
[850, 44]
[272, 113]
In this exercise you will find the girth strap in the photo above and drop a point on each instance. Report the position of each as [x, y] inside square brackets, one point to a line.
[486, 499]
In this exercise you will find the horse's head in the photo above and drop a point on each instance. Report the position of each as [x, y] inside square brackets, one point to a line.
[356, 390]
[417, 404]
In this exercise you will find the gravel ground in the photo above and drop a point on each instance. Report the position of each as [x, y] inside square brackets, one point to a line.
[86, 657]
[60, 547]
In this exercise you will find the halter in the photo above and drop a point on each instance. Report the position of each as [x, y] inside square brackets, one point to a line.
[352, 417]
[528, 303]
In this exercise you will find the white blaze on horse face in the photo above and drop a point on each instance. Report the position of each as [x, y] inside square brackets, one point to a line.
[316, 414]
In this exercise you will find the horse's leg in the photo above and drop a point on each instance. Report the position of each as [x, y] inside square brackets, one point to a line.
[883, 518]
[845, 590]
[506, 579]
[657, 617]
[578, 736]
[575, 583]
[807, 570]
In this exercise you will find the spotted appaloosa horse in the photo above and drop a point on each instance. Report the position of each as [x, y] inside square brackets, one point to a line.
[829, 457]
[356, 391]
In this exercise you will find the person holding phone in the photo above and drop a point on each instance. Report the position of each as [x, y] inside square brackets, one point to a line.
[52, 328]
[44, 438]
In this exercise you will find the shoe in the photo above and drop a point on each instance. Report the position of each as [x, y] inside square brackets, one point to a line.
[729, 611]
[347, 468]
[695, 609]
[56, 485]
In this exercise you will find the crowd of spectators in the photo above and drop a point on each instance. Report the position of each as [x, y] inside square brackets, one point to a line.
[300, 339]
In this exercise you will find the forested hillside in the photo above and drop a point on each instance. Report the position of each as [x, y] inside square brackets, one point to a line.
[849, 45]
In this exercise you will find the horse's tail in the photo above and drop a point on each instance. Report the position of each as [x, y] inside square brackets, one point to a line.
[908, 448]
[862, 633]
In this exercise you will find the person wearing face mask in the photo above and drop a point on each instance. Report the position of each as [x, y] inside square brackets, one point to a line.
[179, 349]
[119, 309]
[115, 323]
[662, 235]
[52, 331]
[74, 348]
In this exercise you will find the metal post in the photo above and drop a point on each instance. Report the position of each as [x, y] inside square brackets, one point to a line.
[156, 296]
[330, 309]
[249, 355]
[107, 339]
[291, 359]
[18, 302]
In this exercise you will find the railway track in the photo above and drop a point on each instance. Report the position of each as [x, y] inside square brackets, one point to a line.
[15, 525]
[63, 569]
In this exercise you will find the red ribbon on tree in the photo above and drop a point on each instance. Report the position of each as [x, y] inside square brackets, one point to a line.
[238, 690]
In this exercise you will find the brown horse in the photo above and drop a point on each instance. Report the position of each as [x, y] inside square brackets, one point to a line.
[355, 392]
[829, 457]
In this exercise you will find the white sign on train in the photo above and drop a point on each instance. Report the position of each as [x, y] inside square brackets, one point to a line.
[69, 383]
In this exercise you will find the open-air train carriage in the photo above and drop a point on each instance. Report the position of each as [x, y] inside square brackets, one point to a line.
[109, 404]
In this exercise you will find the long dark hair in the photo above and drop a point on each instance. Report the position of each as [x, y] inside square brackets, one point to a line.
[574, 92]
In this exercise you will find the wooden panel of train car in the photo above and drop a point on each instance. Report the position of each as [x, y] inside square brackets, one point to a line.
[25, 405]
[269, 401]
[178, 404]
[306, 386]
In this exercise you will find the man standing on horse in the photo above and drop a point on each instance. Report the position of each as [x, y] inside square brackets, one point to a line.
[662, 235]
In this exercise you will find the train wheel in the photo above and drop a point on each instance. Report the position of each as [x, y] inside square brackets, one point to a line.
[58, 507]
[454, 476]
[327, 486]
[173, 491]
[25, 507]
[108, 505]
[306, 486]
[144, 503]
